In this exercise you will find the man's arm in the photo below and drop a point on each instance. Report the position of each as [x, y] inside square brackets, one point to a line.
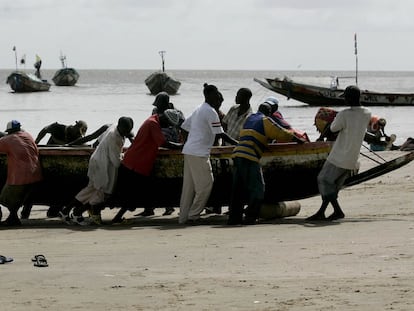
[172, 145]
[42, 134]
[227, 138]
[94, 135]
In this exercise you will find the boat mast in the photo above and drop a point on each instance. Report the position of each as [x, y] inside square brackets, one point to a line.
[15, 55]
[62, 60]
[356, 59]
[162, 58]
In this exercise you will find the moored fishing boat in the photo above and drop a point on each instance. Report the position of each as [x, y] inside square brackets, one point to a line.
[289, 170]
[21, 82]
[320, 96]
[65, 76]
[160, 81]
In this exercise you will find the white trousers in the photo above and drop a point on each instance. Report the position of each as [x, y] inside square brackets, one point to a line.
[197, 184]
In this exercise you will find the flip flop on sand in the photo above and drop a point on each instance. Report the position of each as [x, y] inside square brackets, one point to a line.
[40, 261]
[4, 259]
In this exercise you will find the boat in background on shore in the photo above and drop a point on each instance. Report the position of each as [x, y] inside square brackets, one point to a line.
[320, 96]
[160, 81]
[65, 76]
[21, 82]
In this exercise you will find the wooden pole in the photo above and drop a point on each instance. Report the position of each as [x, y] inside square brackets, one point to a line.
[356, 59]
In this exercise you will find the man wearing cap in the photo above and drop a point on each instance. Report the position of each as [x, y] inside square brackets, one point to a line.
[351, 125]
[277, 116]
[202, 126]
[237, 114]
[137, 164]
[102, 174]
[23, 169]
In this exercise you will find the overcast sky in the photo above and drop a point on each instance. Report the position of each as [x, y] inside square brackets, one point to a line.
[210, 34]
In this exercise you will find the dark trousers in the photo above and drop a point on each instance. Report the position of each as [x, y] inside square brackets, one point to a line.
[248, 186]
[133, 189]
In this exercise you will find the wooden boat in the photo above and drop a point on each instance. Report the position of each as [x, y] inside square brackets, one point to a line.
[20, 82]
[160, 81]
[290, 172]
[65, 76]
[332, 96]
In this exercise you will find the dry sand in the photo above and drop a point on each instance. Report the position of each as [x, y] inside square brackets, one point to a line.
[363, 262]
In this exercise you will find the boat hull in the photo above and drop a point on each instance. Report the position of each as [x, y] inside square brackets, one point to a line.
[161, 82]
[323, 96]
[21, 82]
[65, 77]
[289, 170]
[290, 173]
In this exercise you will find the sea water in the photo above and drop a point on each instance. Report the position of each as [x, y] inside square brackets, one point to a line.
[102, 96]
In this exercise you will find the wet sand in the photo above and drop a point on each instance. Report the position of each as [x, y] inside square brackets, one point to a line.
[363, 262]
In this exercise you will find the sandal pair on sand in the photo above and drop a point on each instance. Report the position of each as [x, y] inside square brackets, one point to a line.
[40, 261]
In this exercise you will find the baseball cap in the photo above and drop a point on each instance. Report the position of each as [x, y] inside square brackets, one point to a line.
[13, 126]
[272, 101]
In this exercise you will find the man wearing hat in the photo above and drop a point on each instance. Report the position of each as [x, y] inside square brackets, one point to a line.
[136, 167]
[23, 169]
[351, 125]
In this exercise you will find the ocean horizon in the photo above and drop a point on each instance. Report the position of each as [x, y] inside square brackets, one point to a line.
[101, 96]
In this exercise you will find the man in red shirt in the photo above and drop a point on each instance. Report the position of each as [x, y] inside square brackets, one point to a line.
[136, 167]
[23, 169]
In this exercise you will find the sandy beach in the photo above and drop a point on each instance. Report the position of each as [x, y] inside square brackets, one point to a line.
[363, 262]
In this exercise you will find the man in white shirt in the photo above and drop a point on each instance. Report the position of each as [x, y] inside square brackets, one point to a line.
[351, 125]
[202, 126]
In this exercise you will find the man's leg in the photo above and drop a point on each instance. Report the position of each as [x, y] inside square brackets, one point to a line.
[187, 193]
[338, 213]
[320, 214]
[203, 184]
[236, 201]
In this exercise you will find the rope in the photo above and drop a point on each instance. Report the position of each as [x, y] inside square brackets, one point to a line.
[376, 154]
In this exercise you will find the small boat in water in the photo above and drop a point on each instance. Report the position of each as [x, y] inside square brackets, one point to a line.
[65, 76]
[289, 170]
[160, 81]
[320, 96]
[20, 81]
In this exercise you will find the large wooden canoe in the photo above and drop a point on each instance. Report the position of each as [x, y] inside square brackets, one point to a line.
[320, 96]
[289, 170]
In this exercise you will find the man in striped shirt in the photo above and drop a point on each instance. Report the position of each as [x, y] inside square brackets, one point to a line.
[248, 181]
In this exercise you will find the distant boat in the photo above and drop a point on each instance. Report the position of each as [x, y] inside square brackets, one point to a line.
[65, 76]
[161, 82]
[21, 82]
[320, 96]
